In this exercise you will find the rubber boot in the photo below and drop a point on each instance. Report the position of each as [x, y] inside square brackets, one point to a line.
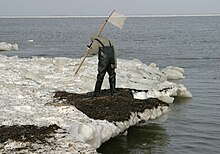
[112, 85]
[97, 90]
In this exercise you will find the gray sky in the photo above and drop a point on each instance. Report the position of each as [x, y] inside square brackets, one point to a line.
[104, 7]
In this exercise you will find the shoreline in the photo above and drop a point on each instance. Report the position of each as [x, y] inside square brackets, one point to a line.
[100, 16]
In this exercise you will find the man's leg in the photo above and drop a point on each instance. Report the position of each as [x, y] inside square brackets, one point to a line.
[112, 78]
[102, 68]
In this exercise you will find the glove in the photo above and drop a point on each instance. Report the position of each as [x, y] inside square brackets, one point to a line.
[89, 45]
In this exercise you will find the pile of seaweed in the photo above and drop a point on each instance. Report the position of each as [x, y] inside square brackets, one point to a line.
[27, 133]
[106, 107]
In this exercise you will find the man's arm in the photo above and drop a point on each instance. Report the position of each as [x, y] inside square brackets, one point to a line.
[94, 48]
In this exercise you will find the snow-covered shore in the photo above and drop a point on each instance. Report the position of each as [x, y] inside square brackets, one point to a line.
[26, 85]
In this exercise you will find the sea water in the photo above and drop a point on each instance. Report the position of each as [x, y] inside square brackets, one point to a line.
[193, 43]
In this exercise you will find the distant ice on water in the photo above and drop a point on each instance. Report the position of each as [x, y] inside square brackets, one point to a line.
[8, 47]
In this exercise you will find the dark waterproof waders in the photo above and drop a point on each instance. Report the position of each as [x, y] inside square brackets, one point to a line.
[106, 63]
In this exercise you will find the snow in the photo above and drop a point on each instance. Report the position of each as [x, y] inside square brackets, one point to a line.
[7, 46]
[26, 85]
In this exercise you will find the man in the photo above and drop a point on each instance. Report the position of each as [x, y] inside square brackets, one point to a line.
[107, 62]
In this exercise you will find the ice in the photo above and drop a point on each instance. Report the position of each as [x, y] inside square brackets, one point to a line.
[173, 73]
[27, 84]
[130, 16]
[140, 95]
[7, 46]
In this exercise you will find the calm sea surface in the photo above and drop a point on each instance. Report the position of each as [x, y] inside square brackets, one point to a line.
[193, 43]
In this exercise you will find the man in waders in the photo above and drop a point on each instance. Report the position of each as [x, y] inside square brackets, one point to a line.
[106, 62]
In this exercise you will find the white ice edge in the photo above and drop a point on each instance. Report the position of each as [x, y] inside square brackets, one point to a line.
[102, 16]
[8, 47]
[26, 85]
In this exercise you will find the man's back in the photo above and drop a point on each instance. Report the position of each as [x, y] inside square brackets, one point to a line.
[96, 44]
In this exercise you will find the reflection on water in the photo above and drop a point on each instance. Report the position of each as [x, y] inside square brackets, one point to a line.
[151, 138]
[182, 100]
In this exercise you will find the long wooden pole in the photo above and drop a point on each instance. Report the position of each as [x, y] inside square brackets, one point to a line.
[87, 52]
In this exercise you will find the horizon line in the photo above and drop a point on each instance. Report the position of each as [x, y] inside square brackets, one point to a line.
[99, 16]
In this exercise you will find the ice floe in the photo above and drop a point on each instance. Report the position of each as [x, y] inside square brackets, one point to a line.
[27, 84]
[7, 46]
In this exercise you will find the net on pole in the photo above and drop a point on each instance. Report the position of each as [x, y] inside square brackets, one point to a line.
[117, 19]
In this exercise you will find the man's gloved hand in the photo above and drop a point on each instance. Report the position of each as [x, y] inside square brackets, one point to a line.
[89, 45]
